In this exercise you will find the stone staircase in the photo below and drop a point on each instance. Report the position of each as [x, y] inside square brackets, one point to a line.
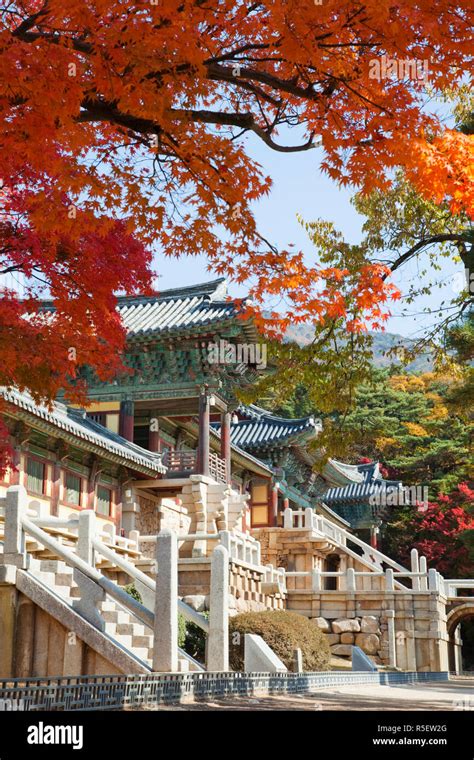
[120, 625]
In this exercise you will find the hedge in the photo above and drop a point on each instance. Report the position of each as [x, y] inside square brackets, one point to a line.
[283, 632]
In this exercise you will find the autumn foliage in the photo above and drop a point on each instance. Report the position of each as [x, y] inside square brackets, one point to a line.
[438, 533]
[124, 129]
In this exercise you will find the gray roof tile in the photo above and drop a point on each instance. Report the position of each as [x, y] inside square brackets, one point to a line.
[259, 428]
[75, 422]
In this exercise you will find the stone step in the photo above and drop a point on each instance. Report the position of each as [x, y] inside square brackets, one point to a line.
[142, 653]
[64, 579]
[131, 629]
[115, 616]
[142, 641]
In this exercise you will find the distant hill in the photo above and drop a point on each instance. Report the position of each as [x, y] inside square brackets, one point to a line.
[382, 343]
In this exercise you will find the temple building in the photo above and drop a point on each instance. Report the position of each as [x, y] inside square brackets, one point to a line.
[178, 414]
[167, 453]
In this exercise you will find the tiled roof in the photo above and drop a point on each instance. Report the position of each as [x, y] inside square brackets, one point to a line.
[341, 474]
[169, 311]
[357, 492]
[173, 309]
[260, 429]
[74, 422]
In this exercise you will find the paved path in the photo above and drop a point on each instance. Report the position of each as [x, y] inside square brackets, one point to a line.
[453, 695]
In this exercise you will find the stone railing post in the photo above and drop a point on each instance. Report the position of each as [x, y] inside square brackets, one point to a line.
[218, 638]
[85, 536]
[225, 541]
[288, 518]
[351, 579]
[134, 535]
[308, 518]
[14, 540]
[165, 647]
[415, 568]
[433, 580]
[316, 581]
[424, 574]
[389, 580]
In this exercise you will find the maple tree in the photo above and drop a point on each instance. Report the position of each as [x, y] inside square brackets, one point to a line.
[124, 130]
[442, 533]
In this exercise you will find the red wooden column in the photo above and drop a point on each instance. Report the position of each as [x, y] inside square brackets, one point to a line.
[154, 433]
[203, 443]
[16, 462]
[274, 507]
[56, 487]
[225, 443]
[126, 419]
[374, 532]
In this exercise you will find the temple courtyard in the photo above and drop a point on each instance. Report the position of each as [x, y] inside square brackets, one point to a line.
[456, 694]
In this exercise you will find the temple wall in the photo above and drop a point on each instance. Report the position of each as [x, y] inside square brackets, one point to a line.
[33, 643]
[406, 630]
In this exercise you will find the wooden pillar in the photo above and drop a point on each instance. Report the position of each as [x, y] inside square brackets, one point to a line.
[126, 419]
[16, 463]
[373, 536]
[154, 433]
[56, 487]
[91, 481]
[203, 445]
[225, 444]
[274, 507]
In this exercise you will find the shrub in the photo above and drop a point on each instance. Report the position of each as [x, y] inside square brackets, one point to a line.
[132, 591]
[283, 632]
[195, 642]
[181, 631]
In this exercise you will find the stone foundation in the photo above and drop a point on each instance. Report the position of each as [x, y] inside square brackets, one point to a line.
[35, 644]
[407, 631]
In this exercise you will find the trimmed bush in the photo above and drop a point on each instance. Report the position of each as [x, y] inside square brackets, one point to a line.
[283, 632]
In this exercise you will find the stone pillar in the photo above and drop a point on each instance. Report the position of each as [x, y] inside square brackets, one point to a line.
[154, 433]
[85, 534]
[225, 444]
[203, 442]
[14, 540]
[274, 508]
[392, 648]
[415, 568]
[126, 419]
[24, 638]
[8, 605]
[165, 648]
[130, 510]
[424, 571]
[218, 641]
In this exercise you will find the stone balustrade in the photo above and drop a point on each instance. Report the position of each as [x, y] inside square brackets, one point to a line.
[93, 585]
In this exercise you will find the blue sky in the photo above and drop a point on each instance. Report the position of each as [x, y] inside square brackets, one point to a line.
[299, 187]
